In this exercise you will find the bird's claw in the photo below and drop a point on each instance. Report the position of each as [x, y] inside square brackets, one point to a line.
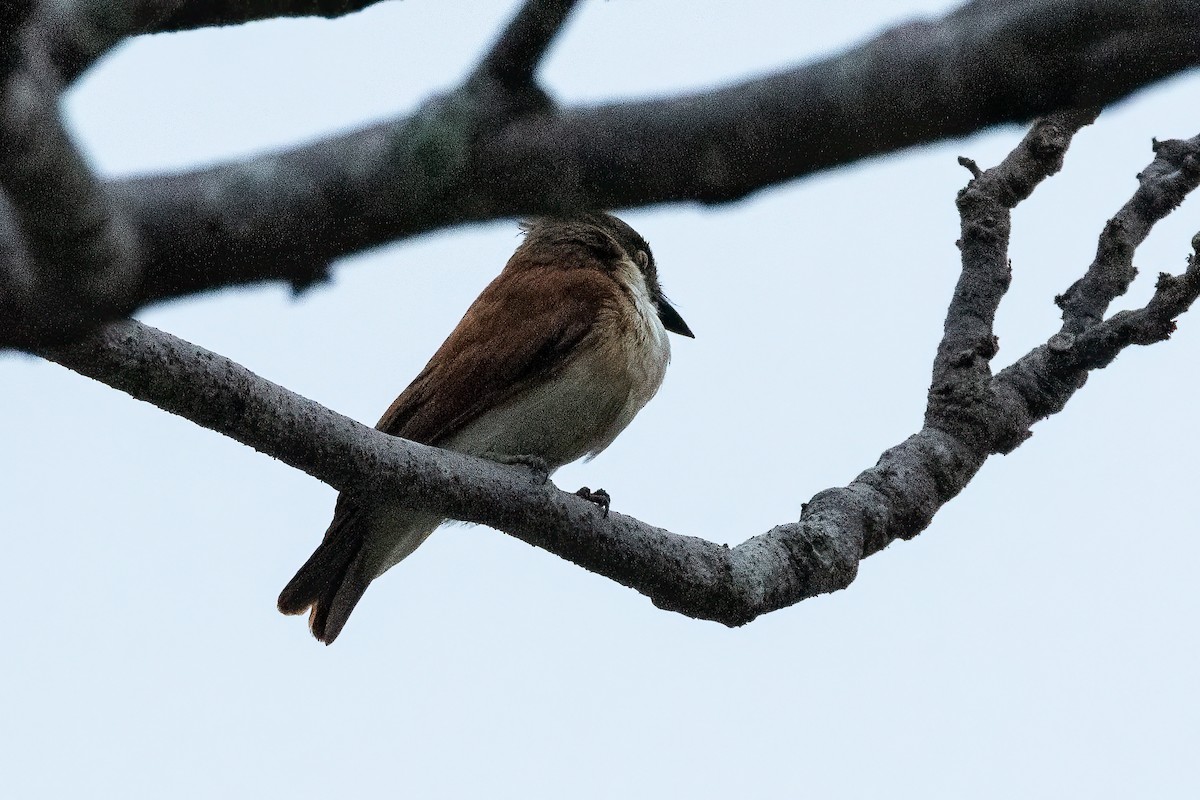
[599, 497]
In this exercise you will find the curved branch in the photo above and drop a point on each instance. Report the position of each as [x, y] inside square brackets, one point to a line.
[970, 416]
[681, 573]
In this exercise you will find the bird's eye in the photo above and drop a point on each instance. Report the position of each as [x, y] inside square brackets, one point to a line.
[642, 259]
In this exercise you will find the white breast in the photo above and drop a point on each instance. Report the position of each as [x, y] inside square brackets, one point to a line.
[646, 353]
[612, 374]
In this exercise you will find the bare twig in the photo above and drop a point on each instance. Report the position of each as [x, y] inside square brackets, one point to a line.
[1162, 186]
[961, 370]
[1045, 378]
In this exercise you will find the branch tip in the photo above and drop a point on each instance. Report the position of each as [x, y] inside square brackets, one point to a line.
[1172, 174]
[971, 166]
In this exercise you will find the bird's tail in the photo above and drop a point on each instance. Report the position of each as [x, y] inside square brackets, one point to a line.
[333, 580]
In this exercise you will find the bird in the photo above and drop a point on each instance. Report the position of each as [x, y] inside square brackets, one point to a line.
[549, 364]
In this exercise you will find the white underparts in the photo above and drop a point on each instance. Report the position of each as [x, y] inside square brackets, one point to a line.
[611, 374]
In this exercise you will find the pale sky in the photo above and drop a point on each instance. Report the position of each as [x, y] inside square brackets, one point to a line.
[1038, 640]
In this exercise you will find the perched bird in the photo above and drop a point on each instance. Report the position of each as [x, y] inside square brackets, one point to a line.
[548, 365]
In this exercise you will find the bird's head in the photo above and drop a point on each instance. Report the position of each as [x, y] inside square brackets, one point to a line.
[609, 239]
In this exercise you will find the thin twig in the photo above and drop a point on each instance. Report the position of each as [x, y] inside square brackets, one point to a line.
[1162, 186]
[961, 369]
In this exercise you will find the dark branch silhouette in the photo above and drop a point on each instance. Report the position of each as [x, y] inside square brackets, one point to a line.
[78, 32]
[76, 249]
[498, 146]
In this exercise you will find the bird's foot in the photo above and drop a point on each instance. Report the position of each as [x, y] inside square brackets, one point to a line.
[538, 466]
[599, 497]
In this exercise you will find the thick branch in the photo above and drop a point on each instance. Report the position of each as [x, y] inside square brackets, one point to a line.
[16, 268]
[70, 224]
[78, 32]
[80, 251]
[467, 156]
[498, 148]
[681, 573]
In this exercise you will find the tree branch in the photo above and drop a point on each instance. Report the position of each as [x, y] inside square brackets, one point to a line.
[79, 32]
[970, 416]
[1162, 186]
[961, 371]
[468, 156]
[70, 224]
[519, 49]
[984, 207]
[498, 147]
[78, 253]
[16, 269]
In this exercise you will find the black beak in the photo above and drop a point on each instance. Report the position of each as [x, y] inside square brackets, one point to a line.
[670, 318]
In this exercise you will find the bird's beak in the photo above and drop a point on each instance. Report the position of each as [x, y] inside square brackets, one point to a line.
[671, 320]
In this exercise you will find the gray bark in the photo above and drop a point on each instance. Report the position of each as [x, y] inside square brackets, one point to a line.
[971, 414]
[498, 146]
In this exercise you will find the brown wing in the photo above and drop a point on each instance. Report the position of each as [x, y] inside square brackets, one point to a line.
[517, 332]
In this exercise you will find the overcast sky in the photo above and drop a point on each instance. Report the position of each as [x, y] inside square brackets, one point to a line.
[1038, 640]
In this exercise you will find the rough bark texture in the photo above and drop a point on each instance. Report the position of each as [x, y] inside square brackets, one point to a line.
[78, 32]
[971, 414]
[498, 146]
